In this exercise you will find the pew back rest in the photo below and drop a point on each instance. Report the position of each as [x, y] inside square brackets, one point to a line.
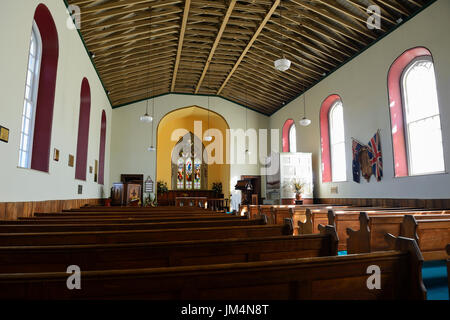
[343, 277]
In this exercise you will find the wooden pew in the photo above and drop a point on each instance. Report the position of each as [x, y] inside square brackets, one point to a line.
[344, 219]
[317, 216]
[20, 259]
[129, 236]
[75, 227]
[115, 220]
[123, 214]
[269, 210]
[337, 278]
[432, 233]
[134, 209]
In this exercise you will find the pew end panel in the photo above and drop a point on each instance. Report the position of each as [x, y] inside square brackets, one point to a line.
[415, 262]
[432, 235]
[331, 232]
[307, 226]
[359, 241]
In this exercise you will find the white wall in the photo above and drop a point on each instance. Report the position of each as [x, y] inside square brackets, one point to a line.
[19, 184]
[362, 84]
[131, 138]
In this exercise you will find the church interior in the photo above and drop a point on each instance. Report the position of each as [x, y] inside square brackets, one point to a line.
[225, 150]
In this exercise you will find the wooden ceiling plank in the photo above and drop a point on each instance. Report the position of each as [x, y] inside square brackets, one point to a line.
[187, 6]
[216, 43]
[249, 45]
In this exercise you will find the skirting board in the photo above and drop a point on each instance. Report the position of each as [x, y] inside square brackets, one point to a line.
[14, 210]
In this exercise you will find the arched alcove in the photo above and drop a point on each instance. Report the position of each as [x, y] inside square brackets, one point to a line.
[174, 126]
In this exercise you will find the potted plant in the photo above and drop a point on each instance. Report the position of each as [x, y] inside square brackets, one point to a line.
[297, 186]
[217, 188]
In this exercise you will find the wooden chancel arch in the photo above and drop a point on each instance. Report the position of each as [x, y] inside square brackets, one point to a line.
[189, 148]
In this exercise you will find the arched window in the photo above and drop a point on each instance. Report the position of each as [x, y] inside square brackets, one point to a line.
[31, 91]
[83, 130]
[36, 135]
[37, 116]
[337, 142]
[289, 136]
[292, 139]
[332, 137]
[415, 116]
[101, 170]
[188, 170]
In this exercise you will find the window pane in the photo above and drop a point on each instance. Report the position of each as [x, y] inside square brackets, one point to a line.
[197, 174]
[337, 143]
[31, 86]
[338, 163]
[189, 170]
[27, 93]
[426, 151]
[422, 118]
[292, 139]
[421, 99]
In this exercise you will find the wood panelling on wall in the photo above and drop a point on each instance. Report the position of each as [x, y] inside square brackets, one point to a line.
[363, 202]
[14, 210]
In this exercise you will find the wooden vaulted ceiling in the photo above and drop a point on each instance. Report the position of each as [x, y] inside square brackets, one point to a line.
[145, 48]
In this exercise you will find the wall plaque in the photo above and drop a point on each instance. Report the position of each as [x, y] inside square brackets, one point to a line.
[4, 134]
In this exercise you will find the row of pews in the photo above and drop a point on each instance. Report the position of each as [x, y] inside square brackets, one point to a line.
[189, 253]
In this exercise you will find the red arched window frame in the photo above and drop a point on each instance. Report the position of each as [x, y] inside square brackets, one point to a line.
[396, 107]
[40, 159]
[83, 130]
[325, 136]
[101, 169]
[286, 127]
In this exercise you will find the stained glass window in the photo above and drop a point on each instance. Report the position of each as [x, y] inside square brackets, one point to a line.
[188, 173]
[197, 174]
[180, 174]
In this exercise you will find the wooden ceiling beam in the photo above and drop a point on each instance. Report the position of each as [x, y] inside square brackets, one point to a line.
[250, 43]
[216, 43]
[187, 7]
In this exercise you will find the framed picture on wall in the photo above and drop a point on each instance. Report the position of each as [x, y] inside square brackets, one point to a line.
[4, 134]
[96, 171]
[56, 154]
[71, 160]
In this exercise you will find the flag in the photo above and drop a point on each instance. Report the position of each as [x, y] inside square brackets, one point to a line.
[356, 147]
[375, 156]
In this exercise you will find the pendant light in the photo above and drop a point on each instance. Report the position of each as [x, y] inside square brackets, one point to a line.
[208, 138]
[146, 118]
[282, 64]
[247, 151]
[305, 121]
[152, 148]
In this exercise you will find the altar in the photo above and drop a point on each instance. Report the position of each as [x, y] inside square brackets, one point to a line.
[169, 198]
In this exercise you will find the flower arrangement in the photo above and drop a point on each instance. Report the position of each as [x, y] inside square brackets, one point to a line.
[162, 187]
[298, 187]
[217, 187]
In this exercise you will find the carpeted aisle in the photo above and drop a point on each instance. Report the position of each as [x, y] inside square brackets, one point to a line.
[434, 274]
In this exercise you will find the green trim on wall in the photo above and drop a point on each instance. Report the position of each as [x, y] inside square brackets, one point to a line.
[90, 58]
[358, 54]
